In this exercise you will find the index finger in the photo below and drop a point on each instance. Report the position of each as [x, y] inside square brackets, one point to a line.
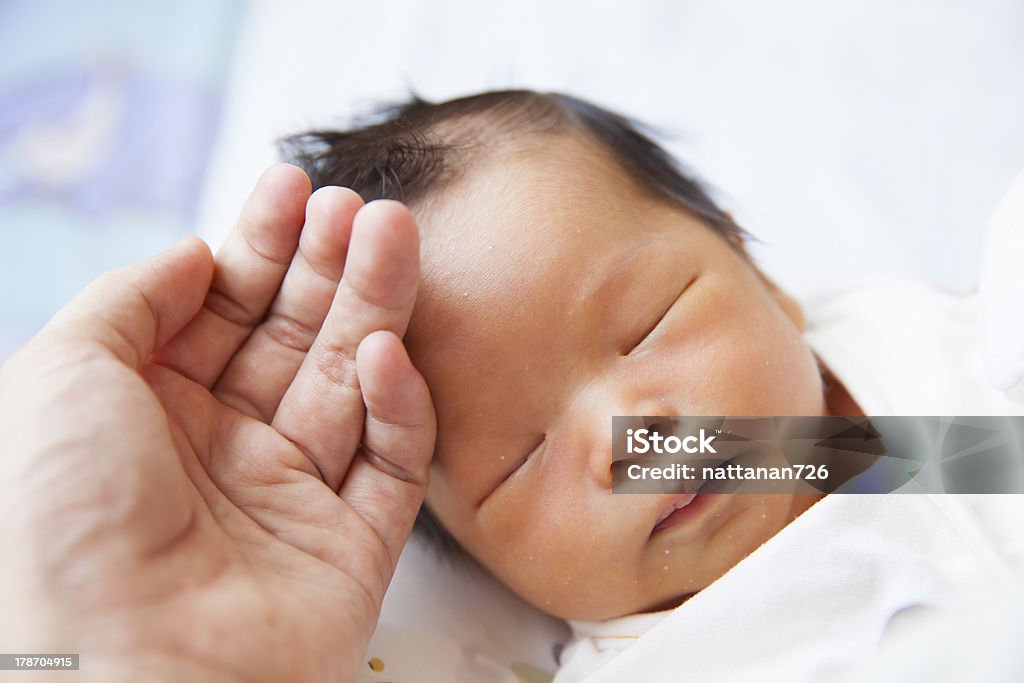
[322, 412]
[250, 266]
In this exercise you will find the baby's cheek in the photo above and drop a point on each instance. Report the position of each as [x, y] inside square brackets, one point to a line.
[794, 378]
[767, 370]
[556, 556]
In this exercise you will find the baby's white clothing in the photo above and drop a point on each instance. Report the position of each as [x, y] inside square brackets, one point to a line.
[831, 587]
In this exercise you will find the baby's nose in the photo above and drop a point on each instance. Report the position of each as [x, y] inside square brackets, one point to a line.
[636, 400]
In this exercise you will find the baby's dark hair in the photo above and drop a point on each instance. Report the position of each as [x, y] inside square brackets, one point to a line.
[409, 151]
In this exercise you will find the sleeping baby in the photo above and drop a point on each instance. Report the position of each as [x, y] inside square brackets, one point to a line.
[572, 271]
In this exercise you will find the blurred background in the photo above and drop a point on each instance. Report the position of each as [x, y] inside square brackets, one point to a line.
[108, 114]
[855, 138]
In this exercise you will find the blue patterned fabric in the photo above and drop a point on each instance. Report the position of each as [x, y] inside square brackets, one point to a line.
[108, 112]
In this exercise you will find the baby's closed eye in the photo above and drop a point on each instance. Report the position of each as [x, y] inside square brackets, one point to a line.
[522, 460]
[657, 322]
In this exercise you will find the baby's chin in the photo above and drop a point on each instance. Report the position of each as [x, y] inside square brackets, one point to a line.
[640, 604]
[664, 605]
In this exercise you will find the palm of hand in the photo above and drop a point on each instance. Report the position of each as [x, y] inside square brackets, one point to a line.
[256, 482]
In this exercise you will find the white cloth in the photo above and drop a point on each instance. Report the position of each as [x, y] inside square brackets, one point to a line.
[1001, 292]
[826, 591]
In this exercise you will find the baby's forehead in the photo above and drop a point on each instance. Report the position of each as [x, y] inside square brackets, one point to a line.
[512, 197]
[529, 231]
[519, 224]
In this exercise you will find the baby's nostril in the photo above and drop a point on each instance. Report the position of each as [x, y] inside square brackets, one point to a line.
[661, 427]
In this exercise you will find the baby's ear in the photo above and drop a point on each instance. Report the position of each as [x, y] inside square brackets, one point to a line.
[788, 304]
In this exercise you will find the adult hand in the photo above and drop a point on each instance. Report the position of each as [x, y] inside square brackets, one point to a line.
[210, 466]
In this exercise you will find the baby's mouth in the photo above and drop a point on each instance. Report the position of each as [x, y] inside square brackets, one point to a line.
[684, 506]
[678, 503]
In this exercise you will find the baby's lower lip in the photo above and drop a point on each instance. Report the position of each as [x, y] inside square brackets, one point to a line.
[690, 511]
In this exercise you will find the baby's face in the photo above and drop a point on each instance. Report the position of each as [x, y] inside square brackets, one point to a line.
[555, 296]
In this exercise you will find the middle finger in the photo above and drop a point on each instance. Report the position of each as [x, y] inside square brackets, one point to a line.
[259, 374]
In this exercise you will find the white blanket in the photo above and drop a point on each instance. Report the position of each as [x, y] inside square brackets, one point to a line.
[1001, 292]
[820, 596]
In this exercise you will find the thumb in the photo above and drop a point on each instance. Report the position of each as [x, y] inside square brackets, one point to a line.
[134, 310]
